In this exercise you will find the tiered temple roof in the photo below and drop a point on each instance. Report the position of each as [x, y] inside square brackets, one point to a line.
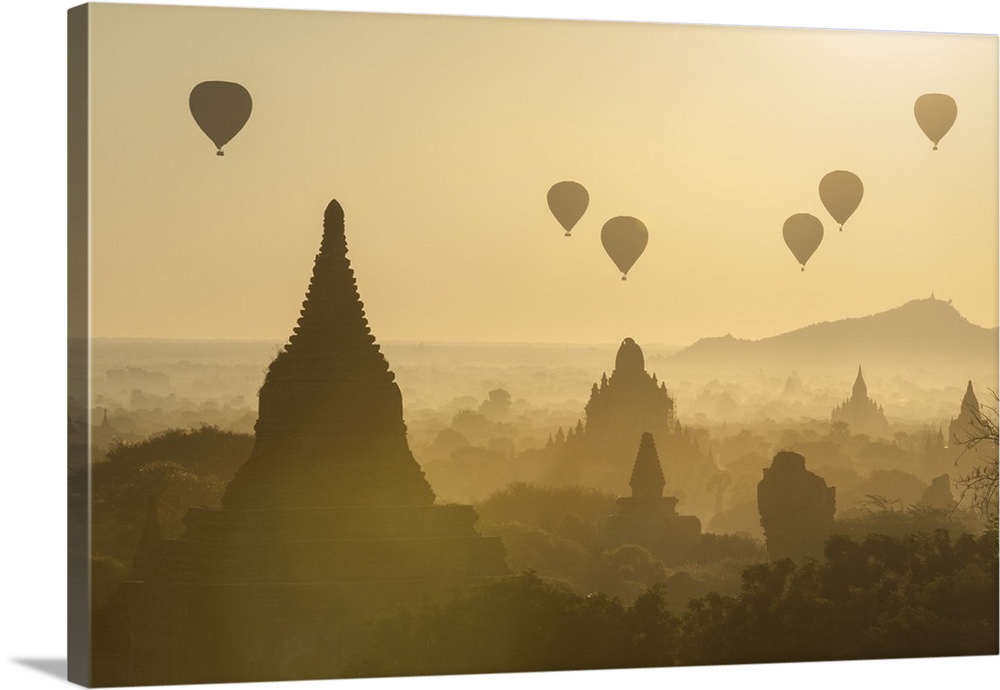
[629, 403]
[861, 414]
[647, 475]
[967, 425]
[622, 407]
[330, 427]
[647, 517]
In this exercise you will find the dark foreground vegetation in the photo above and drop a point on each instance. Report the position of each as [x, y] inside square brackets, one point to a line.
[882, 597]
[896, 582]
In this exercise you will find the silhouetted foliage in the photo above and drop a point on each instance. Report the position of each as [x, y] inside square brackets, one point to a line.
[920, 595]
[543, 507]
[180, 467]
[555, 533]
[471, 424]
[879, 515]
[625, 572]
[712, 548]
[206, 450]
[979, 485]
[520, 624]
[497, 406]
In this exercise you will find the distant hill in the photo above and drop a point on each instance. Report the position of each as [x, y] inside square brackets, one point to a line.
[923, 331]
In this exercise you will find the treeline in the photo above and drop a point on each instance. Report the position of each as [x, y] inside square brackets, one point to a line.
[557, 533]
[180, 468]
[881, 597]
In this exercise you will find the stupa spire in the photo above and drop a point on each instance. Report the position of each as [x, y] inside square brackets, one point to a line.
[860, 391]
[970, 402]
[647, 475]
[330, 425]
[332, 314]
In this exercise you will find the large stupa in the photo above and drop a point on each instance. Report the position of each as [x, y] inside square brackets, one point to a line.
[329, 522]
[330, 425]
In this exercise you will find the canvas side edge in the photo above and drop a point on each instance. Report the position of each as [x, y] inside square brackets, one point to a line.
[78, 345]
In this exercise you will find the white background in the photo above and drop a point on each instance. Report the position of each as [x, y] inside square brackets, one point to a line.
[33, 356]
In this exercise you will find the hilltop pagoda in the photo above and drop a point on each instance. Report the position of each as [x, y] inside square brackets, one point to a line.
[329, 522]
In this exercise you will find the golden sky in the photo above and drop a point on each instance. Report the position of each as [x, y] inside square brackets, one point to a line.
[440, 136]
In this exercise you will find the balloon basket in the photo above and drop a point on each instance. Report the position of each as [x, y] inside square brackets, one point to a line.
[567, 235]
[624, 278]
[219, 153]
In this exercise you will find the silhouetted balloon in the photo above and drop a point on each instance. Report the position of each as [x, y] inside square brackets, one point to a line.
[841, 192]
[624, 239]
[220, 108]
[568, 201]
[935, 113]
[803, 232]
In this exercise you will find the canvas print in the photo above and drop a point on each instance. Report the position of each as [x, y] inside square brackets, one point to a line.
[419, 345]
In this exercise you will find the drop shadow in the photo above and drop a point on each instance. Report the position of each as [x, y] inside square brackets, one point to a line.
[50, 667]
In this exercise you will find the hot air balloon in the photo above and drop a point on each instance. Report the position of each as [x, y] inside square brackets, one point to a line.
[624, 239]
[220, 108]
[568, 201]
[841, 192]
[935, 113]
[803, 232]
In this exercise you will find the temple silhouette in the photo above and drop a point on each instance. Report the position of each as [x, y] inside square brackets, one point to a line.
[969, 442]
[861, 414]
[796, 508]
[968, 424]
[600, 451]
[647, 517]
[328, 522]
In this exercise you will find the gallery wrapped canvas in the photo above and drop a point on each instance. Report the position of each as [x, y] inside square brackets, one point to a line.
[422, 345]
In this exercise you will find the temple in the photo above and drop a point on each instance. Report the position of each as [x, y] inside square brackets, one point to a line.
[329, 521]
[968, 424]
[796, 508]
[600, 452]
[861, 414]
[647, 517]
[330, 425]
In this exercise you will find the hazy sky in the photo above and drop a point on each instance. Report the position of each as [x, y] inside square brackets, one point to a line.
[440, 136]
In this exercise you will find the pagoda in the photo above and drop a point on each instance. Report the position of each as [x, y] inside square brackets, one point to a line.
[968, 425]
[647, 517]
[328, 523]
[861, 414]
[330, 427]
[600, 451]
